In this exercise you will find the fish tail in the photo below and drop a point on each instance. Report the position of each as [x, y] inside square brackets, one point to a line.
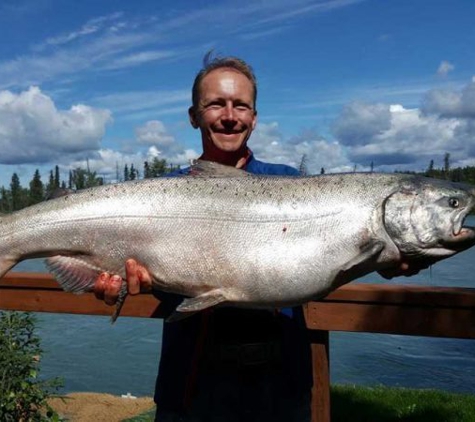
[120, 302]
[6, 260]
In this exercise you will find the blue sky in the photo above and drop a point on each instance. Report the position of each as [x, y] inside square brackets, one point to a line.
[345, 82]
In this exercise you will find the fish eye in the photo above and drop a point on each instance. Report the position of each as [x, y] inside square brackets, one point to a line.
[453, 202]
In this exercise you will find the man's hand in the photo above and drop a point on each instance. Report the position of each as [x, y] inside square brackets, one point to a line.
[406, 269]
[107, 286]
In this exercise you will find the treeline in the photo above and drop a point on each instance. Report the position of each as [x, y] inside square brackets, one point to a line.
[446, 172]
[18, 197]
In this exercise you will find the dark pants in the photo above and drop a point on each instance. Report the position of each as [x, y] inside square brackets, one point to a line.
[245, 394]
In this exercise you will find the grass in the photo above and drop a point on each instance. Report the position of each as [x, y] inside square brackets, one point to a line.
[383, 404]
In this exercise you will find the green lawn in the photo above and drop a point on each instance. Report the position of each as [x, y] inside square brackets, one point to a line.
[382, 404]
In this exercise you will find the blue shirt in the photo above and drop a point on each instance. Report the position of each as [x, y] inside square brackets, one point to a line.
[231, 325]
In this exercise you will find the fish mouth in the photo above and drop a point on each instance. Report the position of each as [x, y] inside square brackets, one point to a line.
[463, 237]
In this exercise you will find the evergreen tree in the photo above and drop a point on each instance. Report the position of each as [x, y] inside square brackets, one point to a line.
[57, 180]
[50, 187]
[303, 165]
[82, 179]
[146, 170]
[430, 170]
[79, 178]
[36, 193]
[16, 192]
[126, 173]
[159, 167]
[132, 172]
[447, 165]
[4, 200]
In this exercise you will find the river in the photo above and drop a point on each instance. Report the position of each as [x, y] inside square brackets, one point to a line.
[91, 355]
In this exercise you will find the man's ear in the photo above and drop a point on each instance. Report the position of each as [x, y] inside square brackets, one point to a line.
[254, 120]
[193, 117]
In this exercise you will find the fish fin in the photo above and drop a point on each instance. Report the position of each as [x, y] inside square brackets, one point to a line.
[178, 316]
[202, 168]
[76, 274]
[195, 304]
[367, 252]
[59, 192]
[120, 302]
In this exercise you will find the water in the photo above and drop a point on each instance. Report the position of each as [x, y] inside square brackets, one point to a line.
[90, 355]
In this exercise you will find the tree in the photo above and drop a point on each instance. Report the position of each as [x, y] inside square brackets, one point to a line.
[16, 192]
[159, 167]
[303, 165]
[57, 180]
[51, 186]
[146, 170]
[82, 179]
[430, 169]
[23, 394]
[133, 174]
[447, 165]
[322, 170]
[126, 173]
[36, 193]
[4, 200]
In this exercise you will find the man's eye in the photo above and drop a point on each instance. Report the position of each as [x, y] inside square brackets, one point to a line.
[242, 107]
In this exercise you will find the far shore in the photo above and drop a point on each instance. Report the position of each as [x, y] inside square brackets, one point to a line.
[99, 407]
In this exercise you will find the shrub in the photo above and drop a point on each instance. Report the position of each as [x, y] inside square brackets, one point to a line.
[23, 395]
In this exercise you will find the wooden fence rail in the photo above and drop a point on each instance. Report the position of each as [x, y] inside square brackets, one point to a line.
[382, 308]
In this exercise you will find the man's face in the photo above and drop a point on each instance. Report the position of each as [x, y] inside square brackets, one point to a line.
[225, 114]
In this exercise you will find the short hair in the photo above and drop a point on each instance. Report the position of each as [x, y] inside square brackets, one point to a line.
[211, 63]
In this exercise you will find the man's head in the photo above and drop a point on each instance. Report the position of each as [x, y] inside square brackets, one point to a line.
[224, 98]
[210, 64]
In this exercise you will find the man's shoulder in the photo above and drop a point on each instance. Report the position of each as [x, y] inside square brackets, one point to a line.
[259, 167]
[178, 172]
[254, 167]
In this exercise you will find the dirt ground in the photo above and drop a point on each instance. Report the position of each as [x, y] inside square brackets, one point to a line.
[94, 407]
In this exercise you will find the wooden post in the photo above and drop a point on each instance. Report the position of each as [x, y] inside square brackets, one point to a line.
[321, 376]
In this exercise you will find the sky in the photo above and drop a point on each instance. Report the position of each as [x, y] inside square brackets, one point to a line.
[349, 84]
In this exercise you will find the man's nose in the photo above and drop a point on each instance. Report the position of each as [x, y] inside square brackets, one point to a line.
[229, 112]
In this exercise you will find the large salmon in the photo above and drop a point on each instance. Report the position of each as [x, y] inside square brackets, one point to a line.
[224, 236]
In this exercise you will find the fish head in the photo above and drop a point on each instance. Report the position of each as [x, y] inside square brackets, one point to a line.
[425, 219]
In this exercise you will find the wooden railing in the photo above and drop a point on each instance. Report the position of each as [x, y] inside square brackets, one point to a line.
[382, 308]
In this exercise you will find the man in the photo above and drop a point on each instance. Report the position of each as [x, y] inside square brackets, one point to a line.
[227, 364]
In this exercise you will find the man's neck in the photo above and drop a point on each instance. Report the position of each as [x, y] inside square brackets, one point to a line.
[235, 159]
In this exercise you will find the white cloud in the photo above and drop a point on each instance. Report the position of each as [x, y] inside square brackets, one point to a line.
[405, 139]
[119, 41]
[137, 59]
[140, 101]
[451, 103]
[33, 130]
[269, 145]
[154, 132]
[359, 122]
[181, 156]
[444, 68]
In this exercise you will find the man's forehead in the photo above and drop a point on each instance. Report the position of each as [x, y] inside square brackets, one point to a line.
[227, 81]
